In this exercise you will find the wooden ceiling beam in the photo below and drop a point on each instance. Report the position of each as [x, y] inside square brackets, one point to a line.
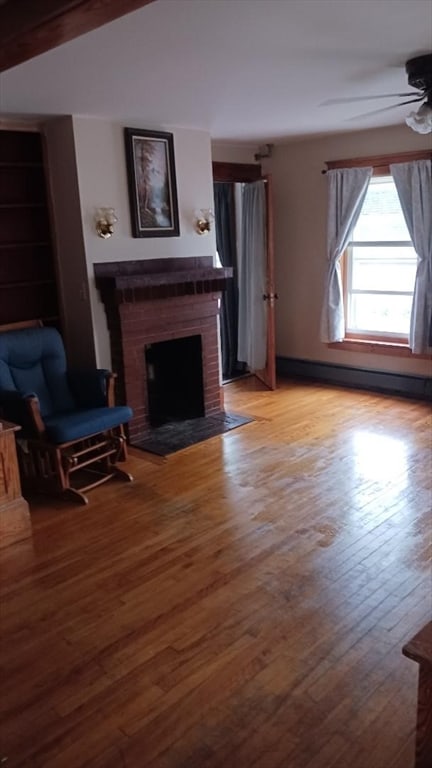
[29, 28]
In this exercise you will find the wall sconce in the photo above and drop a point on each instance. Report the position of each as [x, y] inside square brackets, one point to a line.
[105, 219]
[203, 222]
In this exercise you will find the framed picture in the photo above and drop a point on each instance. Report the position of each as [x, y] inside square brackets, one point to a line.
[152, 183]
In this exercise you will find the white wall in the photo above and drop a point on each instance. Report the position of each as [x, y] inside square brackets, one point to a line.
[88, 159]
[300, 201]
[101, 167]
[224, 152]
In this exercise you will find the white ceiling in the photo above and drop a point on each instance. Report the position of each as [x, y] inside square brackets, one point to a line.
[244, 70]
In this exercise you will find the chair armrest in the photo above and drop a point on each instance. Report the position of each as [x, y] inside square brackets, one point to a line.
[23, 410]
[92, 388]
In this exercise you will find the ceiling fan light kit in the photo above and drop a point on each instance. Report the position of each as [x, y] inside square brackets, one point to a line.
[419, 71]
[421, 121]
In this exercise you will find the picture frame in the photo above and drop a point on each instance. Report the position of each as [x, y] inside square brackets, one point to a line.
[150, 166]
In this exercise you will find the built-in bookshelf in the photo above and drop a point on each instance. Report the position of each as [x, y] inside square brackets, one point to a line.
[28, 287]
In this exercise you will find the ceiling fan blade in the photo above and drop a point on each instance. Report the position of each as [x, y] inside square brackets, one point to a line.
[383, 109]
[371, 98]
[411, 101]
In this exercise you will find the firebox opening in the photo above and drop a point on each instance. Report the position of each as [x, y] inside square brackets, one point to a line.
[175, 380]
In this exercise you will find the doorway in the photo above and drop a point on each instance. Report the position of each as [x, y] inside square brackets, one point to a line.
[227, 197]
[244, 238]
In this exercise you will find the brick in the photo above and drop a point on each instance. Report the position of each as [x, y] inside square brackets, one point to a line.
[137, 322]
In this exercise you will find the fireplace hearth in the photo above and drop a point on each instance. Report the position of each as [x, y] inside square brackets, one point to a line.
[158, 302]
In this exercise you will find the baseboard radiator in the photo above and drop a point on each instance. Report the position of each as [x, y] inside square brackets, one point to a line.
[419, 387]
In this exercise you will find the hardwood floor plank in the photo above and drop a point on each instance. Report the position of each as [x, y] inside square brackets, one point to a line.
[242, 604]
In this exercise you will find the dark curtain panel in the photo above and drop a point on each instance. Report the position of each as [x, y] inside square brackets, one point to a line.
[226, 246]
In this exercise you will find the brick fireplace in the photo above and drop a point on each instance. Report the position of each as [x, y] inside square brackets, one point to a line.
[157, 300]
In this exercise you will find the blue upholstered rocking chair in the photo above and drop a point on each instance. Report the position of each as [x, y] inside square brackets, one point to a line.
[72, 434]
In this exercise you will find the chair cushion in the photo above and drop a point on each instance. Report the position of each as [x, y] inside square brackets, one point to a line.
[65, 427]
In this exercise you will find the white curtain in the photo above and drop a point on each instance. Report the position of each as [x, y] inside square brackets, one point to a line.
[414, 185]
[252, 331]
[347, 189]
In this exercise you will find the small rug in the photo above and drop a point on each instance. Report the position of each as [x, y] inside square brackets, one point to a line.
[177, 435]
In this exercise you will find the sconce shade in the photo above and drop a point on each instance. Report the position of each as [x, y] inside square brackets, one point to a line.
[204, 218]
[105, 219]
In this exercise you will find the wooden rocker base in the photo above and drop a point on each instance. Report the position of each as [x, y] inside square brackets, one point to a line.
[72, 469]
[78, 494]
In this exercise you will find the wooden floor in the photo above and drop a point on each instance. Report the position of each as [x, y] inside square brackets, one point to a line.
[241, 605]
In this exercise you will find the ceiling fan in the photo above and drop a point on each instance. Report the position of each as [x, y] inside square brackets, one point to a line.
[419, 71]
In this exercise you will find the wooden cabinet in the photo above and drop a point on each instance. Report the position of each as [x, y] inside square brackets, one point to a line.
[419, 648]
[14, 512]
[28, 286]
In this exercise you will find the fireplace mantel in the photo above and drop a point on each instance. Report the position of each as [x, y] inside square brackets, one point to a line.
[156, 300]
[129, 281]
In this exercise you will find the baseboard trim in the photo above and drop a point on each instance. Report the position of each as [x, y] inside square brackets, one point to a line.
[419, 387]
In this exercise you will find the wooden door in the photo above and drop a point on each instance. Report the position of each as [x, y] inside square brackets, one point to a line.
[268, 374]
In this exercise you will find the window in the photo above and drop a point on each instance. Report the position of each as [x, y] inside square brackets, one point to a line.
[379, 269]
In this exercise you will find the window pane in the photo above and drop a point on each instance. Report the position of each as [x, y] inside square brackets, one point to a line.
[383, 269]
[379, 313]
[381, 217]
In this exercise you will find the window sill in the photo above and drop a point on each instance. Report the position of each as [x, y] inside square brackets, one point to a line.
[377, 347]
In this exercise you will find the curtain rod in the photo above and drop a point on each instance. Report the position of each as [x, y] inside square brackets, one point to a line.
[251, 181]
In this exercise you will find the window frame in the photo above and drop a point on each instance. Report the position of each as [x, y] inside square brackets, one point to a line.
[379, 343]
[348, 291]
